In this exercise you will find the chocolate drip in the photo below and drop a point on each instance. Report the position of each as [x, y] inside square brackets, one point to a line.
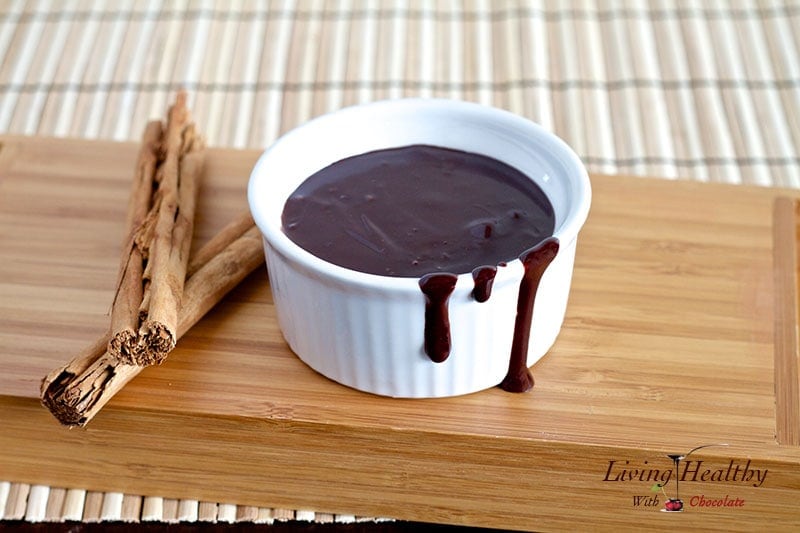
[483, 278]
[437, 289]
[535, 261]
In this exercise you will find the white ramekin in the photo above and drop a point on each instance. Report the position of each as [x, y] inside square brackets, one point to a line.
[365, 330]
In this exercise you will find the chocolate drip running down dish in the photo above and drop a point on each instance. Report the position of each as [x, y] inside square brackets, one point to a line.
[431, 213]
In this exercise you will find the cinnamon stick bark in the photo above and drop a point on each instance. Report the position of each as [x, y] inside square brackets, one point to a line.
[128, 297]
[160, 226]
[77, 391]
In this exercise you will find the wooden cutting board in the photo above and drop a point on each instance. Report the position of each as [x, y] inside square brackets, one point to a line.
[669, 344]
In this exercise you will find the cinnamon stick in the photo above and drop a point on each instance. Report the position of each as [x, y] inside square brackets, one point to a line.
[145, 310]
[219, 242]
[77, 391]
[128, 297]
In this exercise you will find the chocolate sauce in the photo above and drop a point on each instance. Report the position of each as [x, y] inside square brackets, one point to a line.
[484, 279]
[431, 213]
[535, 262]
[411, 211]
[437, 289]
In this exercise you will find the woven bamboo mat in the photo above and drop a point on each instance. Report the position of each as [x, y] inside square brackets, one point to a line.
[707, 91]
[39, 503]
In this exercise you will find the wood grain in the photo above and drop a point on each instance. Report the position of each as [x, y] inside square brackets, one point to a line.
[668, 344]
[787, 320]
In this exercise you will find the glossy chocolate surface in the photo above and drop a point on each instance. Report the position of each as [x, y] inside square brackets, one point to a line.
[416, 210]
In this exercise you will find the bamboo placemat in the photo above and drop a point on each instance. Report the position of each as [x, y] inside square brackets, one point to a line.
[40, 503]
[707, 91]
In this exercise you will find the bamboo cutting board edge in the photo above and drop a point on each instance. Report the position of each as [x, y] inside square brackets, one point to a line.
[786, 264]
[490, 482]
